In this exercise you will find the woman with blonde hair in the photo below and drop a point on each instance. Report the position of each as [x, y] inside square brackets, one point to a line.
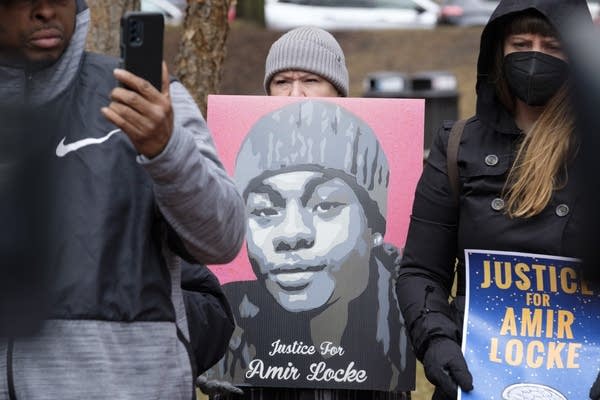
[514, 189]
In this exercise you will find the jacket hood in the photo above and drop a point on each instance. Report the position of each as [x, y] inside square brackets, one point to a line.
[560, 14]
[45, 85]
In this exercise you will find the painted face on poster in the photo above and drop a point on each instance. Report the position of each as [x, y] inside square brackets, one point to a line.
[308, 239]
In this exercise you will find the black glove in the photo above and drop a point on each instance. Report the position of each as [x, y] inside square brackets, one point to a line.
[595, 390]
[214, 387]
[445, 367]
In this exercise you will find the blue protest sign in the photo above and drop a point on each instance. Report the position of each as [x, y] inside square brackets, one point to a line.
[532, 327]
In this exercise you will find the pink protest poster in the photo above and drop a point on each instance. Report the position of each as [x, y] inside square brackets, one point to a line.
[328, 185]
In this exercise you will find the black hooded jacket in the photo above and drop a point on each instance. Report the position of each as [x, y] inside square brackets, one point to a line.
[440, 230]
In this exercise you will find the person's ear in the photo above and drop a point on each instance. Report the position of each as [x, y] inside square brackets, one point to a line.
[377, 239]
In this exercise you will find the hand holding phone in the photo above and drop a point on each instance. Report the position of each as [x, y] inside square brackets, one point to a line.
[144, 113]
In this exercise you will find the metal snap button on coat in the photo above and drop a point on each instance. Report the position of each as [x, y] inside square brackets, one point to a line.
[491, 160]
[497, 204]
[562, 210]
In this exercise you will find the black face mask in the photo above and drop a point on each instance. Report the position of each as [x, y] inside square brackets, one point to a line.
[534, 77]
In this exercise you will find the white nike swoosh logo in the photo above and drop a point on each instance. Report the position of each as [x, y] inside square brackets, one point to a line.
[63, 149]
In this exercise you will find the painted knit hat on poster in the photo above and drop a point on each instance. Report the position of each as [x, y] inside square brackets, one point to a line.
[315, 135]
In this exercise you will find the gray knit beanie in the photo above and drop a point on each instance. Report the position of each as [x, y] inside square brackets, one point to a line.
[308, 49]
[320, 136]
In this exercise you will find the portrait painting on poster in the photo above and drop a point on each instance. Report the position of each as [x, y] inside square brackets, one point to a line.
[398, 123]
[328, 186]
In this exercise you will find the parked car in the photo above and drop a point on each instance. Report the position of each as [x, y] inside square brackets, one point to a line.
[351, 14]
[173, 14]
[478, 12]
[466, 12]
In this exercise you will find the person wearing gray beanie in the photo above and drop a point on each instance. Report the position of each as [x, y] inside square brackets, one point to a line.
[306, 61]
[314, 179]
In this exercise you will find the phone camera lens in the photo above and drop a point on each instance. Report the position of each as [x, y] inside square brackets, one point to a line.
[135, 32]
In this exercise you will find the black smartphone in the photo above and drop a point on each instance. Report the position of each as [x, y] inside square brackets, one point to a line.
[142, 45]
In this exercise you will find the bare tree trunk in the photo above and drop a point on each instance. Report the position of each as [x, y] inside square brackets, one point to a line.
[202, 50]
[105, 22]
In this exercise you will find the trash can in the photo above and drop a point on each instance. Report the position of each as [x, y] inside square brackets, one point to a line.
[388, 84]
[438, 88]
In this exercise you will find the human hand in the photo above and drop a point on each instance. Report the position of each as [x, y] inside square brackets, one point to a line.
[143, 113]
[445, 367]
[595, 390]
[212, 387]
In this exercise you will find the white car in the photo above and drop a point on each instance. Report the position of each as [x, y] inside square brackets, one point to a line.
[173, 14]
[351, 14]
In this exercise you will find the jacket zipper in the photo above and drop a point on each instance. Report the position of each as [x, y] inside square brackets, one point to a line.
[9, 370]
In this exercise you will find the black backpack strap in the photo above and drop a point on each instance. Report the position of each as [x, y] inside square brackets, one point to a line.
[452, 156]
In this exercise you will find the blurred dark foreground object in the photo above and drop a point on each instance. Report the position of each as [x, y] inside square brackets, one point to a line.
[25, 213]
[582, 45]
[584, 54]
[583, 49]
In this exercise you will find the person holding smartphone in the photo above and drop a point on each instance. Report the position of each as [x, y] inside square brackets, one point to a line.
[138, 186]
